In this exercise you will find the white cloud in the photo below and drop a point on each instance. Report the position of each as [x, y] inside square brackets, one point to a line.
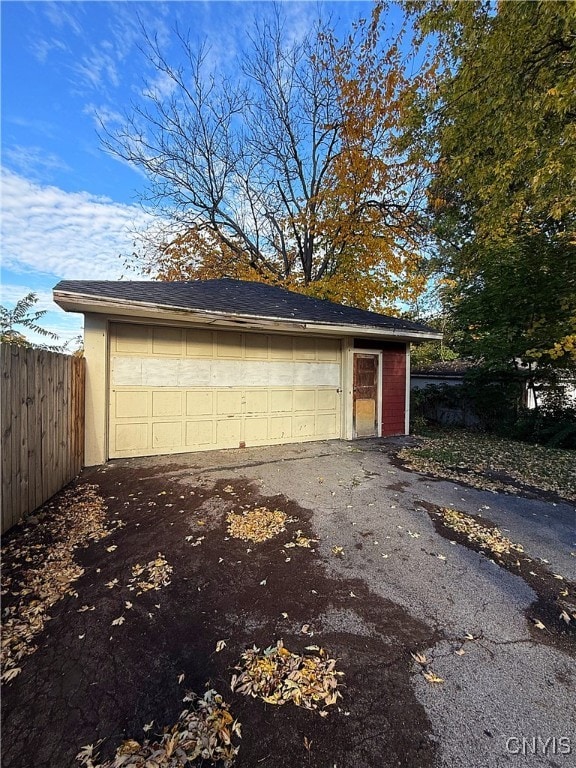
[67, 235]
[33, 162]
[42, 47]
[12, 293]
[98, 68]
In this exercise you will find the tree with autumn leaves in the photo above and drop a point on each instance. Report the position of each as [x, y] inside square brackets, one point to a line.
[290, 173]
[328, 165]
[501, 127]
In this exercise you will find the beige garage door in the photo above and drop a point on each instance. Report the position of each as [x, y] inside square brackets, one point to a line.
[174, 390]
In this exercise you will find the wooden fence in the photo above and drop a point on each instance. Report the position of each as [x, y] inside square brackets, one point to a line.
[42, 427]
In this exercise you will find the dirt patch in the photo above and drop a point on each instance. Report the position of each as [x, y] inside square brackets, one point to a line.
[94, 677]
[400, 486]
[552, 617]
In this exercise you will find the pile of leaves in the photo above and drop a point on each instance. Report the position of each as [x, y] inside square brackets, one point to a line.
[258, 524]
[487, 537]
[203, 732]
[153, 575]
[493, 463]
[39, 568]
[277, 677]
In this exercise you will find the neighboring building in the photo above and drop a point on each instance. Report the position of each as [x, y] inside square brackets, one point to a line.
[450, 372]
[190, 366]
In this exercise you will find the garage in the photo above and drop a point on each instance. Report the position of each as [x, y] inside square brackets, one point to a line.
[202, 365]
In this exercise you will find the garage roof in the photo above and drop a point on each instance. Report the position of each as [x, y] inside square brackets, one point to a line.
[227, 297]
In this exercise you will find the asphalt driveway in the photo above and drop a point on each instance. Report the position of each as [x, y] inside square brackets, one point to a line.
[381, 582]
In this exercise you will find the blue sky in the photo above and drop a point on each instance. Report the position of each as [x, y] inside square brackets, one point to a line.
[69, 209]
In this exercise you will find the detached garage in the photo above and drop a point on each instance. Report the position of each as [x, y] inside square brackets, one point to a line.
[190, 366]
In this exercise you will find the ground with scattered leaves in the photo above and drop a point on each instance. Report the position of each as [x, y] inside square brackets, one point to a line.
[187, 583]
[494, 463]
[295, 606]
[552, 617]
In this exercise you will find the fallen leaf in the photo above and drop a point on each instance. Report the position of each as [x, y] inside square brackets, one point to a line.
[118, 621]
[419, 658]
[181, 678]
[11, 673]
[220, 645]
[432, 677]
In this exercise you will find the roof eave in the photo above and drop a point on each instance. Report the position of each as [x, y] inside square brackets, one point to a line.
[121, 308]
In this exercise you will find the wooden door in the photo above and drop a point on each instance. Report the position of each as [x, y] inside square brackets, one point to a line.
[365, 397]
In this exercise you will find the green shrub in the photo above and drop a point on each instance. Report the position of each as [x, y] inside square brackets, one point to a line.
[493, 403]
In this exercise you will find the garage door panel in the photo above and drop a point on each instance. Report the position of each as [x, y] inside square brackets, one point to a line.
[167, 403]
[256, 346]
[200, 434]
[130, 404]
[131, 438]
[229, 402]
[304, 348]
[130, 339]
[126, 372]
[194, 373]
[199, 403]
[281, 347]
[256, 430]
[229, 344]
[303, 426]
[256, 401]
[160, 373]
[167, 341]
[281, 400]
[280, 427]
[226, 373]
[326, 400]
[326, 425]
[167, 434]
[305, 400]
[199, 343]
[228, 433]
[328, 349]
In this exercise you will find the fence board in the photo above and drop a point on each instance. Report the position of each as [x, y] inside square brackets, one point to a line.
[41, 427]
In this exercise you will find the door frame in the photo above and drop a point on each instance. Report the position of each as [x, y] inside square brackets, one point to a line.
[378, 354]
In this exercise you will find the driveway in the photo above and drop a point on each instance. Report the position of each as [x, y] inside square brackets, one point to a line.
[488, 687]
